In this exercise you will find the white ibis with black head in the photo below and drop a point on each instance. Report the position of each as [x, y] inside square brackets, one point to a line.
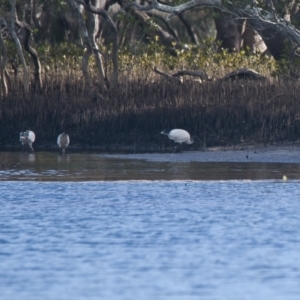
[27, 138]
[179, 136]
[63, 141]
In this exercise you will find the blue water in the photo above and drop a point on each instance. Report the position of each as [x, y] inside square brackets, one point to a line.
[150, 240]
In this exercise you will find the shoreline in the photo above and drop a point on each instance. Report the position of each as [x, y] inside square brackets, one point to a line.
[279, 153]
[288, 152]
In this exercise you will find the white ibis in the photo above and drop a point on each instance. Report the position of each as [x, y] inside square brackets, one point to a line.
[27, 138]
[179, 136]
[63, 141]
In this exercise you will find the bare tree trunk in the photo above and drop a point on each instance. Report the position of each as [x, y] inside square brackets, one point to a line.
[253, 41]
[189, 28]
[166, 24]
[35, 58]
[228, 32]
[18, 44]
[3, 62]
[35, 21]
[21, 22]
[91, 28]
[85, 39]
[114, 56]
[144, 20]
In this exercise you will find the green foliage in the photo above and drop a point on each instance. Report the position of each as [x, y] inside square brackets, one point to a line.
[4, 7]
[62, 56]
[215, 63]
[289, 65]
[142, 58]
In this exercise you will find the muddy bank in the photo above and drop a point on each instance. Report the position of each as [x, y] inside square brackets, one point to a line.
[277, 153]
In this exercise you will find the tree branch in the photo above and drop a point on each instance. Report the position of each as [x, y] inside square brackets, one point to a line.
[265, 22]
[175, 10]
[174, 76]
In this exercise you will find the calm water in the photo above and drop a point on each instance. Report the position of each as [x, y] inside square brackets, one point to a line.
[49, 166]
[159, 239]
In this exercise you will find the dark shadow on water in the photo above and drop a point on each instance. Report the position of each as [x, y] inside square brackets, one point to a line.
[49, 166]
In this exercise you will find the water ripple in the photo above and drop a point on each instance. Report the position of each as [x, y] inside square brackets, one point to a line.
[145, 240]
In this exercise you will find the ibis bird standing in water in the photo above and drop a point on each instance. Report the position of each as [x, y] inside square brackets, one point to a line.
[63, 141]
[27, 138]
[179, 136]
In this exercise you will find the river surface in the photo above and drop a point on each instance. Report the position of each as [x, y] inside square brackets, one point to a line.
[87, 226]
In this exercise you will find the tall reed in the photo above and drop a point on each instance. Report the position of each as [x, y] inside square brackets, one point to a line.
[134, 112]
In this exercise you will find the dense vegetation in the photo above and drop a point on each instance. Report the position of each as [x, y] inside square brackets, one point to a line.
[130, 112]
[131, 115]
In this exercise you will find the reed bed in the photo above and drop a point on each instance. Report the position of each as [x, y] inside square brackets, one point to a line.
[132, 115]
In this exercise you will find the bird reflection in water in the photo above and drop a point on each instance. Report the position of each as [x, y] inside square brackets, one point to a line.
[27, 157]
[62, 158]
[31, 157]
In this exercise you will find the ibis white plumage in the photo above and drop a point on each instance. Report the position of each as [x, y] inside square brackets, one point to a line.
[63, 141]
[179, 136]
[27, 138]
